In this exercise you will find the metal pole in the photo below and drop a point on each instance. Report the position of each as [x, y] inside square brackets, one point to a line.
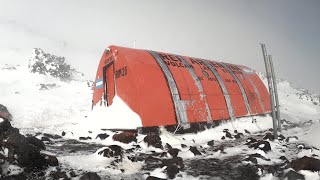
[264, 51]
[275, 92]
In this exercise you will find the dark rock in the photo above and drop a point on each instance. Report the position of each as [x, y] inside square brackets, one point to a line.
[195, 151]
[183, 146]
[174, 152]
[306, 163]
[235, 131]
[211, 143]
[177, 161]
[225, 130]
[90, 176]
[85, 138]
[154, 178]
[268, 136]
[292, 175]
[59, 175]
[125, 137]
[152, 160]
[72, 174]
[281, 137]
[4, 113]
[45, 139]
[262, 145]
[153, 140]
[223, 138]
[248, 172]
[228, 135]
[52, 136]
[63, 133]
[102, 136]
[27, 155]
[172, 171]
[238, 136]
[246, 131]
[36, 142]
[168, 146]
[252, 159]
[250, 141]
[112, 151]
[5, 125]
[50, 160]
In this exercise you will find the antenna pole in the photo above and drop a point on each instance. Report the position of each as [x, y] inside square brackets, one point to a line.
[275, 93]
[268, 71]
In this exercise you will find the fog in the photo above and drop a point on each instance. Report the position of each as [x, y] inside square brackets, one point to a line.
[228, 31]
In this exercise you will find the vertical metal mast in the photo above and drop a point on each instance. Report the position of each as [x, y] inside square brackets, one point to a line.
[267, 64]
[275, 92]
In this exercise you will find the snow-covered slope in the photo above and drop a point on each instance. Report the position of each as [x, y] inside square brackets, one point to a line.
[40, 103]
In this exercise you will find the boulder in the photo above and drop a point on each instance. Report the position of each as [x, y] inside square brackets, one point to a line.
[4, 113]
[172, 171]
[113, 151]
[125, 137]
[90, 176]
[36, 142]
[195, 151]
[262, 145]
[177, 161]
[174, 152]
[102, 136]
[269, 136]
[292, 175]
[210, 143]
[305, 163]
[153, 140]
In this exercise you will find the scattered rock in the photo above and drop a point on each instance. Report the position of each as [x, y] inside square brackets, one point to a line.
[85, 138]
[174, 152]
[292, 175]
[59, 175]
[223, 138]
[63, 133]
[52, 136]
[269, 136]
[195, 151]
[90, 176]
[125, 137]
[172, 171]
[45, 139]
[281, 137]
[113, 151]
[246, 131]
[183, 146]
[306, 163]
[168, 146]
[250, 141]
[102, 136]
[177, 161]
[283, 158]
[210, 143]
[50, 160]
[262, 145]
[238, 136]
[228, 135]
[153, 140]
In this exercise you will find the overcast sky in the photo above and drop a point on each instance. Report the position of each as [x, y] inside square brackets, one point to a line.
[224, 30]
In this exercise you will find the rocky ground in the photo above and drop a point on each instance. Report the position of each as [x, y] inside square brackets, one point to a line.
[239, 155]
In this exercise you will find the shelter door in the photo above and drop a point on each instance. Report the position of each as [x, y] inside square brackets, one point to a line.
[108, 83]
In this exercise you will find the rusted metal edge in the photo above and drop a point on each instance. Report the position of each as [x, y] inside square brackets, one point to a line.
[243, 92]
[179, 105]
[198, 84]
[223, 88]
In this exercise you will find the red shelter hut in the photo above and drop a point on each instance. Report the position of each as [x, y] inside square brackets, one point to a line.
[167, 89]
